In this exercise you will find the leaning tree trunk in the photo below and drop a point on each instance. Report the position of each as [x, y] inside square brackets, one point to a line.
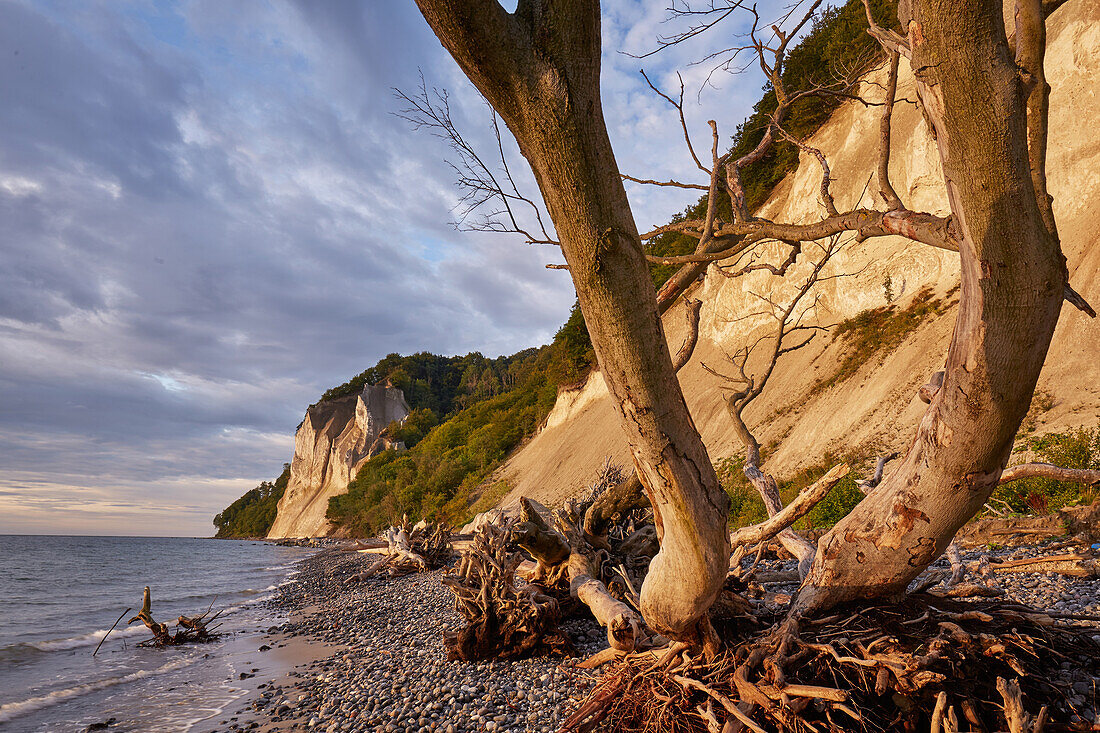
[540, 69]
[1012, 281]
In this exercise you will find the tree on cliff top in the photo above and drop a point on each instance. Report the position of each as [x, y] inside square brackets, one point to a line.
[539, 68]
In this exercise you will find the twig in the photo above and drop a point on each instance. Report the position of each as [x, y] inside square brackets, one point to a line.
[97, 646]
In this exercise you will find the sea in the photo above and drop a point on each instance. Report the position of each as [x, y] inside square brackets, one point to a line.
[60, 595]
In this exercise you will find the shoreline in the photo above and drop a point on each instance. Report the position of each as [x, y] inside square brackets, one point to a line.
[382, 667]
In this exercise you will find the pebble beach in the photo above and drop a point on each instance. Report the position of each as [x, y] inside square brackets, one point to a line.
[387, 670]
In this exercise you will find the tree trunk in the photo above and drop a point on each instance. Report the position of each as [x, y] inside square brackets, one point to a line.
[1012, 282]
[540, 69]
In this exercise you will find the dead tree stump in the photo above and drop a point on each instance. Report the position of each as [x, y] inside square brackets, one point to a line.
[188, 628]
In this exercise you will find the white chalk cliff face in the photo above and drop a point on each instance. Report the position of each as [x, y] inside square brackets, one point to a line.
[334, 440]
[877, 409]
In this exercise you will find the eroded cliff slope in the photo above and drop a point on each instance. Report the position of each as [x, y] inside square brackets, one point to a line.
[807, 411]
[333, 441]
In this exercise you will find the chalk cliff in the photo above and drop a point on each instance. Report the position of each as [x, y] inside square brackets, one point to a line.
[877, 409]
[333, 441]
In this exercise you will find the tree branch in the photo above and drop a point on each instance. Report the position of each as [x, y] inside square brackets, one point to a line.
[1046, 470]
[1031, 41]
[806, 500]
[886, 190]
[688, 347]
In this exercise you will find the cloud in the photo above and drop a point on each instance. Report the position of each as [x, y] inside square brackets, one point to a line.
[212, 214]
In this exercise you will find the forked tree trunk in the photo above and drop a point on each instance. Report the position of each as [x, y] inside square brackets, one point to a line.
[1012, 281]
[540, 69]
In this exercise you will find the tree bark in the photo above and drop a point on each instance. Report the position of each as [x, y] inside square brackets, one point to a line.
[1012, 284]
[539, 67]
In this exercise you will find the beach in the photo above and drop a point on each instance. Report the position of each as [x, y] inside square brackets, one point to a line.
[303, 650]
[385, 668]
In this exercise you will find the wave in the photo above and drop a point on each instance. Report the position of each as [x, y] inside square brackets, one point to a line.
[12, 710]
[27, 649]
[24, 649]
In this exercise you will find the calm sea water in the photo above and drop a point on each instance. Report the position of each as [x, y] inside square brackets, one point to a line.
[59, 595]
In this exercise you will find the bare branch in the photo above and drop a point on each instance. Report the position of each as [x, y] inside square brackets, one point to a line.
[671, 184]
[796, 249]
[866, 223]
[880, 465]
[888, 39]
[479, 184]
[806, 500]
[1031, 41]
[1046, 470]
[886, 190]
[679, 105]
[688, 347]
[826, 178]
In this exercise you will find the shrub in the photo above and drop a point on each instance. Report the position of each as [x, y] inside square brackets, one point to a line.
[1074, 449]
[877, 332]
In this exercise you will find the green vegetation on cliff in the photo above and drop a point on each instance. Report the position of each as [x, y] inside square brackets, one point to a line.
[447, 462]
[253, 514]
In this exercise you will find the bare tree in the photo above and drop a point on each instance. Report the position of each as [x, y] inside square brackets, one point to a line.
[539, 68]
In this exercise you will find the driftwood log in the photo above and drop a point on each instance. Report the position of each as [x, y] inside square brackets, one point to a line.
[598, 544]
[504, 616]
[410, 549]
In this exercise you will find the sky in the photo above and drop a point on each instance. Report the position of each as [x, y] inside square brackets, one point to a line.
[210, 213]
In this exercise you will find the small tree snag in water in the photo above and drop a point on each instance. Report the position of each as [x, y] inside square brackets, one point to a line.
[188, 628]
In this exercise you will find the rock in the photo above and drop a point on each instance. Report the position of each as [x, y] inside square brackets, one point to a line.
[102, 725]
[333, 441]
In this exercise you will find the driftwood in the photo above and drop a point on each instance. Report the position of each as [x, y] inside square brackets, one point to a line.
[581, 553]
[592, 553]
[584, 572]
[1076, 565]
[1010, 531]
[410, 549]
[188, 628]
[504, 617]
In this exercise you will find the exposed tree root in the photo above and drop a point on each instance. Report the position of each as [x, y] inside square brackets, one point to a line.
[504, 617]
[597, 552]
[926, 664]
[411, 549]
[189, 629]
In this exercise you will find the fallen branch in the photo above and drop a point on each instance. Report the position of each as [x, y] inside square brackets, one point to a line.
[806, 500]
[1047, 470]
[97, 646]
